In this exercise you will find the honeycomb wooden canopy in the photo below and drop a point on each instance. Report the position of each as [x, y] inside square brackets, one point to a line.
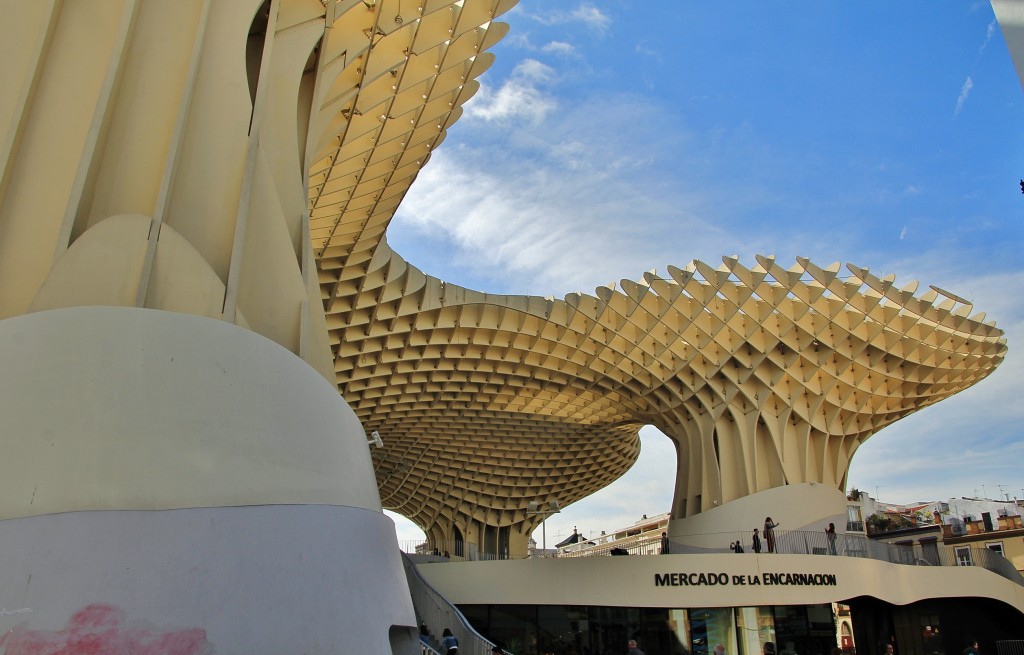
[764, 376]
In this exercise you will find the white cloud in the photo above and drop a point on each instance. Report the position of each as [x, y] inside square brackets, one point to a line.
[554, 47]
[555, 206]
[642, 49]
[520, 97]
[903, 232]
[965, 90]
[592, 17]
[520, 39]
[989, 32]
[588, 15]
[523, 222]
[559, 48]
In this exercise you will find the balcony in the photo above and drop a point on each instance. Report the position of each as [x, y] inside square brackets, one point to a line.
[792, 543]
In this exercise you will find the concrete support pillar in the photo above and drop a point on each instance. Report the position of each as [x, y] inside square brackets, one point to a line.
[179, 480]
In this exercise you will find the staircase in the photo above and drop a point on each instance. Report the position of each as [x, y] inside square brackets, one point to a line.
[434, 609]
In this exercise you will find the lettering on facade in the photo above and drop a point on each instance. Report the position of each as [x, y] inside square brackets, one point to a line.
[707, 578]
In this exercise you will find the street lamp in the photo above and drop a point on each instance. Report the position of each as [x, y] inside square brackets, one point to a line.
[533, 508]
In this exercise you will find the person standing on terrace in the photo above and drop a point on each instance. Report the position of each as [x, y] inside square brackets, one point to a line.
[769, 533]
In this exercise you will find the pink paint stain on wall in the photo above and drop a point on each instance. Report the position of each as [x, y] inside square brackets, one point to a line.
[102, 630]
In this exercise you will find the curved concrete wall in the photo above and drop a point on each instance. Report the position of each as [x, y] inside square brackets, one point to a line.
[631, 581]
[807, 506]
[177, 484]
[122, 408]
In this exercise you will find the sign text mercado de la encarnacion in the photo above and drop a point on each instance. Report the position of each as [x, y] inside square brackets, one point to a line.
[694, 579]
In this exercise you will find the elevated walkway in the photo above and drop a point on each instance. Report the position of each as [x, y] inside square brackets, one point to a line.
[712, 580]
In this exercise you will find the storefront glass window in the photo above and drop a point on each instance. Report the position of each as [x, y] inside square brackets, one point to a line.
[678, 624]
[754, 626]
[581, 630]
[514, 627]
[710, 627]
[804, 630]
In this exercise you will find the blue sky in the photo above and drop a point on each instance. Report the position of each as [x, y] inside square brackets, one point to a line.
[615, 137]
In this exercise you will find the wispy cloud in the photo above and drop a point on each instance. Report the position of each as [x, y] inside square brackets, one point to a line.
[646, 51]
[989, 32]
[553, 47]
[585, 14]
[529, 222]
[903, 232]
[521, 97]
[558, 210]
[559, 48]
[965, 90]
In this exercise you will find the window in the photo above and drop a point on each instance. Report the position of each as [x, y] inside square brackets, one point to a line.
[854, 519]
[930, 551]
[996, 546]
[963, 556]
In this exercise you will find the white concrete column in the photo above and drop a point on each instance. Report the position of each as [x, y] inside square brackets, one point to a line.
[185, 484]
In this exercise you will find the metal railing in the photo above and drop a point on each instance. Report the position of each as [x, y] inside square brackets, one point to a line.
[794, 542]
[1010, 647]
[797, 542]
[437, 613]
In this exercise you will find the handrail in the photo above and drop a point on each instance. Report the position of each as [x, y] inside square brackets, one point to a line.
[437, 613]
[797, 542]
